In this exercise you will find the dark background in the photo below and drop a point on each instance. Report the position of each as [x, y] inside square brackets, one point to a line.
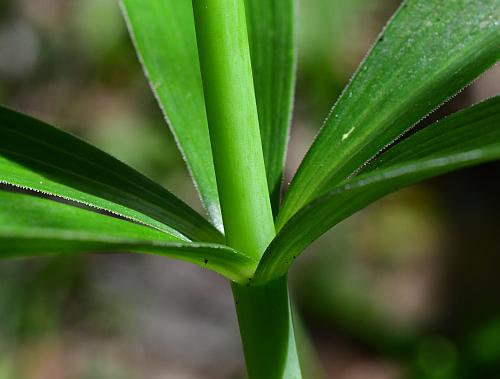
[407, 288]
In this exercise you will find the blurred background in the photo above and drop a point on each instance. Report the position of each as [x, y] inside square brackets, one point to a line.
[407, 288]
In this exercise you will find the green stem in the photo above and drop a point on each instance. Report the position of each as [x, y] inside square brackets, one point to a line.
[266, 327]
[233, 123]
[263, 311]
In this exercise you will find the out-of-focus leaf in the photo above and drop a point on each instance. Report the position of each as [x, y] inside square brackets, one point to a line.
[272, 48]
[466, 138]
[39, 157]
[427, 53]
[31, 226]
[164, 37]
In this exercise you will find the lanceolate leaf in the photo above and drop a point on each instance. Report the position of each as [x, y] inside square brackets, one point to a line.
[463, 139]
[39, 157]
[428, 51]
[272, 48]
[31, 226]
[469, 129]
[164, 37]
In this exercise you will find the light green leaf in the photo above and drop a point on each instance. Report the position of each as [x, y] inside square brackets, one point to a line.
[39, 157]
[429, 51]
[466, 138]
[164, 37]
[31, 226]
[272, 47]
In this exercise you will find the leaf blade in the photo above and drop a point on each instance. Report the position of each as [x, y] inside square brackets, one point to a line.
[164, 38]
[463, 139]
[428, 52]
[272, 49]
[39, 157]
[31, 226]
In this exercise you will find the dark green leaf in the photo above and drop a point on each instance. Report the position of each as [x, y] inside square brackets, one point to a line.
[463, 139]
[164, 37]
[272, 47]
[31, 226]
[37, 156]
[429, 50]
[466, 130]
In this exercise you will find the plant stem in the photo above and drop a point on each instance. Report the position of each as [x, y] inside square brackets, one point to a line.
[266, 327]
[233, 123]
[263, 311]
